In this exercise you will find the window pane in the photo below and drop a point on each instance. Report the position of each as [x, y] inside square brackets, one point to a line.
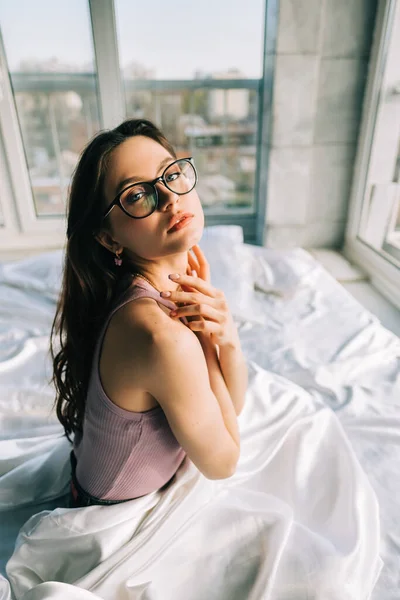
[54, 82]
[393, 234]
[168, 72]
[188, 40]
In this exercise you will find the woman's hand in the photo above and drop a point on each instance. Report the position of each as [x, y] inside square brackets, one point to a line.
[197, 299]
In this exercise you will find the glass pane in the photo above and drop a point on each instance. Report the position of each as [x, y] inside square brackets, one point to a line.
[379, 224]
[189, 40]
[380, 227]
[54, 84]
[168, 79]
[396, 207]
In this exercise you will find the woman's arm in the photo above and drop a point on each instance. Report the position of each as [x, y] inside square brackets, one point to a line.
[201, 416]
[219, 386]
[227, 367]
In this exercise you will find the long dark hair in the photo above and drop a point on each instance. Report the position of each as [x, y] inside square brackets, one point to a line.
[91, 280]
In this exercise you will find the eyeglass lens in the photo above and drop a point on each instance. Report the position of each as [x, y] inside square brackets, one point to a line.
[140, 200]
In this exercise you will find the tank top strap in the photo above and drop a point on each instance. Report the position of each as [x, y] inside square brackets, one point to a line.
[138, 290]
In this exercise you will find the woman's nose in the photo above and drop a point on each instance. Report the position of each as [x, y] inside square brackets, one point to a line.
[166, 196]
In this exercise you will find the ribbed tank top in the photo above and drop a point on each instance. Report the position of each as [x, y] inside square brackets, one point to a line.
[123, 454]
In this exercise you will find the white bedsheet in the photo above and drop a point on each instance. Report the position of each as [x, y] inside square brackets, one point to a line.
[299, 519]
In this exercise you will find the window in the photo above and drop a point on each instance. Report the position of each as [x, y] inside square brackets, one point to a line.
[183, 68]
[373, 235]
[54, 88]
[205, 90]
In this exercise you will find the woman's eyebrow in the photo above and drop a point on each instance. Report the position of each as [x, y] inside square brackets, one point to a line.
[125, 182]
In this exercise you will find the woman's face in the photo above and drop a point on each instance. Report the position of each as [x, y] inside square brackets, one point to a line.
[149, 238]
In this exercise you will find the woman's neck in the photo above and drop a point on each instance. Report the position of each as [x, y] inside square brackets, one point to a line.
[157, 274]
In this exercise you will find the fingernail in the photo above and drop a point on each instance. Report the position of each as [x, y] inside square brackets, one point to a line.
[172, 313]
[174, 276]
[194, 273]
[165, 294]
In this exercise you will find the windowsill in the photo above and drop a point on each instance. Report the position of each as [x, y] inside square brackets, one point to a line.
[21, 253]
[394, 238]
[358, 285]
[377, 304]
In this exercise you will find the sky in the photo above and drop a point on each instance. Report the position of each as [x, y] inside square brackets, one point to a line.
[173, 38]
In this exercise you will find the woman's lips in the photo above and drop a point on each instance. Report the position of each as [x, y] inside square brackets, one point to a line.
[185, 221]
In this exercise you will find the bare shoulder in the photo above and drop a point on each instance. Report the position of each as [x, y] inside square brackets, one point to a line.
[147, 319]
[145, 330]
[127, 353]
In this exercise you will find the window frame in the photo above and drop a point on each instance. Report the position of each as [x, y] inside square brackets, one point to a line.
[380, 266]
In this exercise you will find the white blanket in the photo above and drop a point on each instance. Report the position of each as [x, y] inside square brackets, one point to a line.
[298, 520]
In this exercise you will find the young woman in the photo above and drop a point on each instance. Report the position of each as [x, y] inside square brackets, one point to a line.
[141, 384]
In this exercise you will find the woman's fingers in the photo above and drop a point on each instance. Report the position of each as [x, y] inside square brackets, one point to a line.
[202, 262]
[197, 283]
[199, 254]
[201, 271]
[192, 272]
[193, 262]
[199, 311]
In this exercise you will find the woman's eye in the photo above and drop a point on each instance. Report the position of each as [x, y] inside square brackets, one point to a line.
[173, 176]
[134, 197]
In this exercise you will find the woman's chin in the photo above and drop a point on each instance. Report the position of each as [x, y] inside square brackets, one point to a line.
[195, 239]
[188, 237]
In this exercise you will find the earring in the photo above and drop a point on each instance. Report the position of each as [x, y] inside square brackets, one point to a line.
[117, 260]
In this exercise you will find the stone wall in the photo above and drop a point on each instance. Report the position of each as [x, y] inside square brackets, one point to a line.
[323, 49]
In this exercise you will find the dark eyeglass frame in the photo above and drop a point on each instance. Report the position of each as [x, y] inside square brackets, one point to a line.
[117, 199]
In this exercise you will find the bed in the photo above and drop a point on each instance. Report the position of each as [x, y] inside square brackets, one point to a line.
[312, 510]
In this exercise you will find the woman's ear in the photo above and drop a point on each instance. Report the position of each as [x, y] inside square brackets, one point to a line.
[105, 239]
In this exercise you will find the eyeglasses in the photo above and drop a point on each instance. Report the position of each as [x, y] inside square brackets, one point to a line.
[140, 200]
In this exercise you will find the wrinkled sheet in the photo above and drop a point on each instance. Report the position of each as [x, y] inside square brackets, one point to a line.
[312, 505]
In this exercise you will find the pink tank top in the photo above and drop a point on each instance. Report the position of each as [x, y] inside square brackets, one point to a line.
[123, 454]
